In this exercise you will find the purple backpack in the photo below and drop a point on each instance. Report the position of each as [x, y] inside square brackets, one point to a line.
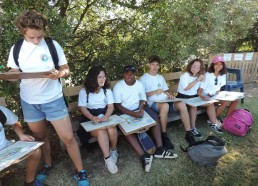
[238, 122]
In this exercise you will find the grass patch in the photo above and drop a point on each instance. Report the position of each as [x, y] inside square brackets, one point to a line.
[237, 167]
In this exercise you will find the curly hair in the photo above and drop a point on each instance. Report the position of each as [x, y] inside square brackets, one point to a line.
[154, 58]
[221, 72]
[189, 65]
[31, 20]
[91, 80]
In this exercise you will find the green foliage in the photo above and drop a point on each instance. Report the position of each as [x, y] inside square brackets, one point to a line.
[118, 32]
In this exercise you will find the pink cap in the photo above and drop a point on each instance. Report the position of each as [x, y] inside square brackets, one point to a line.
[217, 59]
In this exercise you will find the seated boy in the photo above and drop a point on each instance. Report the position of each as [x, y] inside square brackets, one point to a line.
[129, 97]
[7, 117]
[155, 88]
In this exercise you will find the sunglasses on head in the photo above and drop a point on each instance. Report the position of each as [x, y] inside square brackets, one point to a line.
[216, 81]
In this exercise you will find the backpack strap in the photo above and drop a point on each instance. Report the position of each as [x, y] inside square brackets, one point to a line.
[16, 51]
[51, 47]
[53, 52]
[3, 118]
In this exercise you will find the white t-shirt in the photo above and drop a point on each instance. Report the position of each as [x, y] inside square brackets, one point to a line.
[11, 119]
[152, 83]
[208, 85]
[185, 80]
[96, 100]
[129, 96]
[37, 58]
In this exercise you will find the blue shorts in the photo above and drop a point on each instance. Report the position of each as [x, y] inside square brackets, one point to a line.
[51, 111]
[154, 107]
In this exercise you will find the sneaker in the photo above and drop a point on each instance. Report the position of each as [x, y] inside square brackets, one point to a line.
[43, 173]
[189, 138]
[195, 133]
[35, 183]
[216, 128]
[114, 155]
[146, 162]
[166, 142]
[111, 165]
[163, 153]
[81, 178]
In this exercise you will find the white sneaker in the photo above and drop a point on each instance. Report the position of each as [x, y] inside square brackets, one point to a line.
[111, 165]
[114, 155]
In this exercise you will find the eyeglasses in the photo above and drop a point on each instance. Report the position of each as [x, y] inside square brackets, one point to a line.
[216, 81]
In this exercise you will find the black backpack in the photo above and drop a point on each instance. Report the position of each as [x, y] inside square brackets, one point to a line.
[51, 47]
[3, 118]
[52, 50]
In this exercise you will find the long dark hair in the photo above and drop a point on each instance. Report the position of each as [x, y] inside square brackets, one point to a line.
[221, 72]
[189, 65]
[91, 80]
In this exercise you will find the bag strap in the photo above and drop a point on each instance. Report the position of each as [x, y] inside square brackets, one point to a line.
[53, 52]
[213, 140]
[3, 118]
[51, 47]
[16, 51]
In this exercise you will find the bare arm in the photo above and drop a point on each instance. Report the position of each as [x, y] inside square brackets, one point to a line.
[17, 127]
[136, 114]
[63, 71]
[108, 112]
[88, 115]
[190, 85]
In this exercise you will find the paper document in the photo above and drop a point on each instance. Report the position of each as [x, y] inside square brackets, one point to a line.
[228, 96]
[13, 153]
[112, 121]
[135, 125]
[197, 101]
[169, 100]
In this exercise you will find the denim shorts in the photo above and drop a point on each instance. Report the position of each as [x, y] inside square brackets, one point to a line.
[51, 111]
[154, 107]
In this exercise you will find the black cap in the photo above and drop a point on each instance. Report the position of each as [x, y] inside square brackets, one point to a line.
[129, 68]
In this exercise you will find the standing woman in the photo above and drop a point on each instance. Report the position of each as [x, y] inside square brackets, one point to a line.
[215, 78]
[96, 104]
[188, 86]
[46, 101]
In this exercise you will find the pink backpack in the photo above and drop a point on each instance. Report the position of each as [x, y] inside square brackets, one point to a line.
[238, 122]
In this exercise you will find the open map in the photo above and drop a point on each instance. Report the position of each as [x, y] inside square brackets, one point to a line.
[13, 153]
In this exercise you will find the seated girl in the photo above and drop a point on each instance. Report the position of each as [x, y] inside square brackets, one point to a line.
[96, 104]
[189, 83]
[214, 80]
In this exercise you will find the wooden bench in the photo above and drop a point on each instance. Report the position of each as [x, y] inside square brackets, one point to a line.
[71, 93]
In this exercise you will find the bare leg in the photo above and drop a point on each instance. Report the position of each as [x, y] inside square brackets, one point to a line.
[132, 139]
[221, 107]
[163, 113]
[40, 132]
[183, 114]
[232, 107]
[112, 134]
[102, 137]
[32, 165]
[64, 130]
[192, 114]
[211, 111]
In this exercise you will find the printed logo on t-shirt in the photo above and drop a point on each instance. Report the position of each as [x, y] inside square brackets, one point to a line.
[159, 85]
[44, 58]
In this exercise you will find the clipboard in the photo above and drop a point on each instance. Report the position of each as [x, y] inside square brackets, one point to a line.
[17, 152]
[24, 75]
[112, 121]
[228, 96]
[169, 100]
[197, 101]
[136, 125]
